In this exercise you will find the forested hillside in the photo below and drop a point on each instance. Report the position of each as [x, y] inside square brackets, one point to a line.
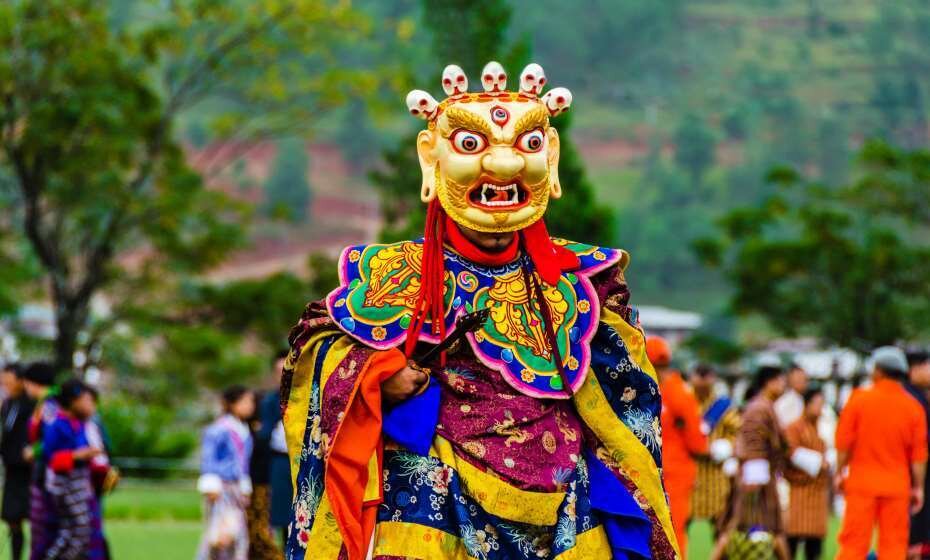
[681, 107]
[681, 113]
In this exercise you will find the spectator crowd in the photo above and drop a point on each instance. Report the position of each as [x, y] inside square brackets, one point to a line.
[56, 466]
[56, 469]
[769, 473]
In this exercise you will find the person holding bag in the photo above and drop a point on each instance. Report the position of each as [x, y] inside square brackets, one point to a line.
[809, 477]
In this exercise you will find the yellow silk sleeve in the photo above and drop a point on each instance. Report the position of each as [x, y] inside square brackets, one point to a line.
[633, 338]
[298, 402]
[625, 449]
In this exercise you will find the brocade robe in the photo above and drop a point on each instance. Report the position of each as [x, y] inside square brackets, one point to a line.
[712, 488]
[493, 460]
[760, 438]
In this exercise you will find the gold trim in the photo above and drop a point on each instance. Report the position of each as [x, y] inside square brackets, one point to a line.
[625, 450]
[413, 541]
[298, 400]
[496, 496]
[324, 540]
[419, 542]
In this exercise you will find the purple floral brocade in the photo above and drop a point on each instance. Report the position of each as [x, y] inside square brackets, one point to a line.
[531, 443]
[339, 387]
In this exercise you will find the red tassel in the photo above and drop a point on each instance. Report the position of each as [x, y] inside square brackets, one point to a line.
[431, 300]
[549, 259]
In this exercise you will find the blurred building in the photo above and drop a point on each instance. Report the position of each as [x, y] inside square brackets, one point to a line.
[672, 324]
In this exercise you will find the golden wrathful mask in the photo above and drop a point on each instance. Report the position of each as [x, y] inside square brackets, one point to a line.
[490, 157]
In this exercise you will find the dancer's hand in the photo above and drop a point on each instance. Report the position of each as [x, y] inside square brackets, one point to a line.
[403, 385]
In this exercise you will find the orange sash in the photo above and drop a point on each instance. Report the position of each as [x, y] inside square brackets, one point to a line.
[358, 439]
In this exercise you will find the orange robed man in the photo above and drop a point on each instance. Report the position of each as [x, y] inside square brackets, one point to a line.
[882, 438]
[682, 437]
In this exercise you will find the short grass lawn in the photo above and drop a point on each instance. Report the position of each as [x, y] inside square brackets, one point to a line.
[162, 521]
[153, 540]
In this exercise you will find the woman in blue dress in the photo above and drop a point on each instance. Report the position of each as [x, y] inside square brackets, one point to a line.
[224, 480]
[78, 534]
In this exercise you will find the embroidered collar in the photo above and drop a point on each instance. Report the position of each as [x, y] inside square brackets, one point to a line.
[379, 286]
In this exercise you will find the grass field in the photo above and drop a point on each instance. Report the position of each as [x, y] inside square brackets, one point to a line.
[147, 521]
[153, 540]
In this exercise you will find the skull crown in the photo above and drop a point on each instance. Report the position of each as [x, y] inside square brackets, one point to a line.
[494, 82]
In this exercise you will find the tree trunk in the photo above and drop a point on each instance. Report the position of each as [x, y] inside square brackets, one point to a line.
[70, 318]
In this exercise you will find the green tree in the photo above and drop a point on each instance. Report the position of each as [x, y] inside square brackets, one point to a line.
[833, 149]
[836, 262]
[466, 32]
[401, 208]
[201, 331]
[595, 43]
[577, 215]
[694, 148]
[815, 18]
[888, 103]
[667, 214]
[287, 192]
[87, 124]
[481, 36]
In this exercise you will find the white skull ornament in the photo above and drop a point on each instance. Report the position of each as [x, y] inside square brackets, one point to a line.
[532, 79]
[454, 81]
[421, 104]
[557, 100]
[493, 77]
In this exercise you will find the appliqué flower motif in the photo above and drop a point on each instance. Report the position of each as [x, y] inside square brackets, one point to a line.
[301, 516]
[439, 479]
[628, 395]
[527, 375]
[319, 441]
[378, 333]
[479, 543]
[305, 506]
[572, 363]
[530, 540]
[548, 442]
[645, 427]
[475, 448]
[624, 365]
[570, 500]
[565, 532]
[354, 255]
[584, 306]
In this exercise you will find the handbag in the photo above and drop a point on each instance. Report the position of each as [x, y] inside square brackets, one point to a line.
[754, 544]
